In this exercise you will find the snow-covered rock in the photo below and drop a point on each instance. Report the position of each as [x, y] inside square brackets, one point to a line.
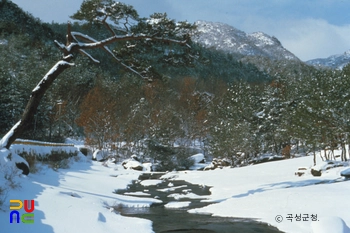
[345, 173]
[218, 163]
[323, 166]
[330, 225]
[133, 164]
[198, 158]
[98, 155]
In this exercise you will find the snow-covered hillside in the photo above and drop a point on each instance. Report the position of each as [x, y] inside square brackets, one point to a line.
[78, 199]
[229, 39]
[335, 61]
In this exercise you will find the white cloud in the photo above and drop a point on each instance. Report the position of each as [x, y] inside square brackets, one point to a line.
[307, 38]
[311, 38]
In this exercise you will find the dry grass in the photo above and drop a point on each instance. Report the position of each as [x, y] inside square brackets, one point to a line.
[39, 143]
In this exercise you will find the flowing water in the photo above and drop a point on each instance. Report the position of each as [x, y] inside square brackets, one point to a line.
[189, 196]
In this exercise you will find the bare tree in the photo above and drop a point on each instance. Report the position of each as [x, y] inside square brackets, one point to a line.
[127, 31]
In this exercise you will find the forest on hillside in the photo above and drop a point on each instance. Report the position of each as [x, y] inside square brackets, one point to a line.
[228, 108]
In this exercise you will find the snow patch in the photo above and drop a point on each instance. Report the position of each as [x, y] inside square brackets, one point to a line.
[150, 182]
[177, 204]
[137, 194]
[330, 225]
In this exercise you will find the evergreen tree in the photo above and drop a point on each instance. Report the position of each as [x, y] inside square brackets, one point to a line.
[132, 39]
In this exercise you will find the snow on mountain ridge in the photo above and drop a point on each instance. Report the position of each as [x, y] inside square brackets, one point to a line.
[229, 39]
[261, 38]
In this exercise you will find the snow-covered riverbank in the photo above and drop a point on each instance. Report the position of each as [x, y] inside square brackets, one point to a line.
[77, 199]
[272, 193]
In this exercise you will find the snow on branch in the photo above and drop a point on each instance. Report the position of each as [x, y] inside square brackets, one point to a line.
[96, 44]
[51, 71]
[89, 39]
[5, 139]
[91, 43]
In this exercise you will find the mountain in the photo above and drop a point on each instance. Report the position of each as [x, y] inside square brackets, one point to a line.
[257, 49]
[13, 20]
[229, 39]
[334, 62]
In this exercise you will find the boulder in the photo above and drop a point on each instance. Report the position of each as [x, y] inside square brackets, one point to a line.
[86, 151]
[217, 163]
[24, 167]
[132, 164]
[21, 163]
[315, 172]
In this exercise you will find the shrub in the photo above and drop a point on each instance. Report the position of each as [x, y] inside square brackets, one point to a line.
[184, 162]
[3, 196]
[64, 164]
[57, 159]
[9, 174]
[170, 158]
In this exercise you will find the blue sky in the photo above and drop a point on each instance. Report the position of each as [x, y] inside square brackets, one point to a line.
[308, 28]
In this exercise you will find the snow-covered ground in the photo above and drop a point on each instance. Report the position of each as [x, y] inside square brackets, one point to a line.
[77, 199]
[271, 192]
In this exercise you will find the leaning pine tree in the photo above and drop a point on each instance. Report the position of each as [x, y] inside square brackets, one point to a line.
[129, 39]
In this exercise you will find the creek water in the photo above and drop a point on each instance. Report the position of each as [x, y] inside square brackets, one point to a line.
[184, 196]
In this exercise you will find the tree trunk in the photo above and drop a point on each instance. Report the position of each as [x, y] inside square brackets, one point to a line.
[314, 149]
[33, 103]
[343, 152]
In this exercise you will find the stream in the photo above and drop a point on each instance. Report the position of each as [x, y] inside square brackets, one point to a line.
[178, 197]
